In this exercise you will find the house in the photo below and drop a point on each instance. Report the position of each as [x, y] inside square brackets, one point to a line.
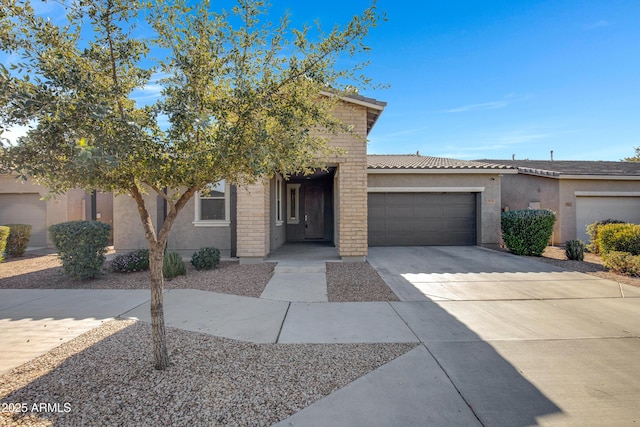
[23, 203]
[580, 192]
[357, 202]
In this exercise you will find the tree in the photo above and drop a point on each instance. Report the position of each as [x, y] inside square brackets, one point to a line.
[635, 158]
[244, 99]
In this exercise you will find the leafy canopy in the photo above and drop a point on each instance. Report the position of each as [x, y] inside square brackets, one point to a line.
[242, 98]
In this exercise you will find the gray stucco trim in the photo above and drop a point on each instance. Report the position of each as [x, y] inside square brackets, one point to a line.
[450, 171]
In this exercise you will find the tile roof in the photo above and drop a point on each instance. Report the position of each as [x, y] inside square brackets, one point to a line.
[558, 168]
[416, 161]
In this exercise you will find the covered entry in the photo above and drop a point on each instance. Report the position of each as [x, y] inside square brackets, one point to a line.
[422, 219]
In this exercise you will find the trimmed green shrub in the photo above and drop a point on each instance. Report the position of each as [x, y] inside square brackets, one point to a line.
[619, 237]
[173, 266]
[574, 250]
[527, 231]
[206, 259]
[592, 231]
[622, 262]
[137, 260]
[81, 246]
[19, 236]
[4, 235]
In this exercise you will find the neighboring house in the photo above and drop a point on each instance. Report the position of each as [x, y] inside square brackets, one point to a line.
[22, 203]
[580, 192]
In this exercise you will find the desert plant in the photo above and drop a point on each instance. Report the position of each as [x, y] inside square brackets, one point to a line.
[4, 235]
[592, 231]
[81, 246]
[19, 236]
[527, 231]
[206, 258]
[622, 262]
[173, 266]
[137, 260]
[619, 237]
[574, 250]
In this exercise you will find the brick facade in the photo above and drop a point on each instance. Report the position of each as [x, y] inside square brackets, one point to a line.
[253, 221]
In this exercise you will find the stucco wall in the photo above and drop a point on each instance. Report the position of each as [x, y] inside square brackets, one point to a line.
[489, 226]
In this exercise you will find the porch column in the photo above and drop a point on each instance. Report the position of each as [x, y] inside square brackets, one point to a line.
[253, 222]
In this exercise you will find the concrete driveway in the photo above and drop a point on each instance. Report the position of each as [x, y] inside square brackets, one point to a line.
[523, 342]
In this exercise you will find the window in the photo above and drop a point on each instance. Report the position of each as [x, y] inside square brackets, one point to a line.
[278, 200]
[212, 206]
[293, 207]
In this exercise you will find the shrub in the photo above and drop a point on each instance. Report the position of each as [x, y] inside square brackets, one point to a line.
[574, 250]
[527, 231]
[619, 237]
[81, 246]
[622, 262]
[137, 260]
[4, 235]
[592, 231]
[173, 266]
[206, 259]
[19, 235]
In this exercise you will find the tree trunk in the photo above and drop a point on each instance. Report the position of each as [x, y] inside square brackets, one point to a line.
[160, 353]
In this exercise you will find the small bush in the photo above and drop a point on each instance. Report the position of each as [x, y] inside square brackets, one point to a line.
[619, 237]
[173, 266]
[622, 262]
[574, 250]
[19, 236]
[81, 246]
[4, 235]
[137, 260]
[527, 231]
[206, 259]
[593, 230]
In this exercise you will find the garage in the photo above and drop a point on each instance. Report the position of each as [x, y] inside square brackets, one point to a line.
[25, 209]
[590, 209]
[422, 219]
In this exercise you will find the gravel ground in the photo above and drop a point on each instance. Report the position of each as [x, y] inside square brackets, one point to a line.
[592, 265]
[105, 377]
[355, 282]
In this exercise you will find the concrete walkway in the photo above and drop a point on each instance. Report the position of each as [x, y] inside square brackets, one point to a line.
[500, 340]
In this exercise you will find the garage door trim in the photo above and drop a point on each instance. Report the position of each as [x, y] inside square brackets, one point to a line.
[607, 194]
[425, 189]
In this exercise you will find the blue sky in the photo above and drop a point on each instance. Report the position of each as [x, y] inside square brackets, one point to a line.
[492, 79]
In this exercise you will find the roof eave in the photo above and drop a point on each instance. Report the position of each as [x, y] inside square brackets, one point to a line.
[435, 171]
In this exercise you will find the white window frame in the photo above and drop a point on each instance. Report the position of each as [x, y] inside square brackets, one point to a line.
[296, 207]
[279, 201]
[198, 222]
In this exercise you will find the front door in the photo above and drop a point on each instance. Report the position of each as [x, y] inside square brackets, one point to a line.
[314, 212]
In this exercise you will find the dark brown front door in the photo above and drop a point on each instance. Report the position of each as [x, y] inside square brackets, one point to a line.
[314, 212]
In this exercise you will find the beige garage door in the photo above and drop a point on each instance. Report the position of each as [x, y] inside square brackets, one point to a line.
[25, 209]
[592, 209]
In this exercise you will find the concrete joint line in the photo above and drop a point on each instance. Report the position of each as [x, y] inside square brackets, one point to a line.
[405, 322]
[283, 320]
[454, 386]
[133, 308]
[621, 291]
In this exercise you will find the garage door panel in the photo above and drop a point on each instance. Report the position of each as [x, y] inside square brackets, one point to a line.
[25, 209]
[422, 219]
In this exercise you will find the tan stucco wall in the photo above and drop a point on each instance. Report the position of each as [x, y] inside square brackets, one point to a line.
[128, 233]
[489, 226]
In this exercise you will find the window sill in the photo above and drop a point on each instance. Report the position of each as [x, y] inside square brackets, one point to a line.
[279, 223]
[212, 223]
[293, 221]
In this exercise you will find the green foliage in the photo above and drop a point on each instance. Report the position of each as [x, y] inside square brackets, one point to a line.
[4, 235]
[206, 259]
[592, 231]
[173, 266]
[619, 237]
[622, 262]
[81, 246]
[635, 158]
[527, 231]
[19, 237]
[574, 250]
[137, 260]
